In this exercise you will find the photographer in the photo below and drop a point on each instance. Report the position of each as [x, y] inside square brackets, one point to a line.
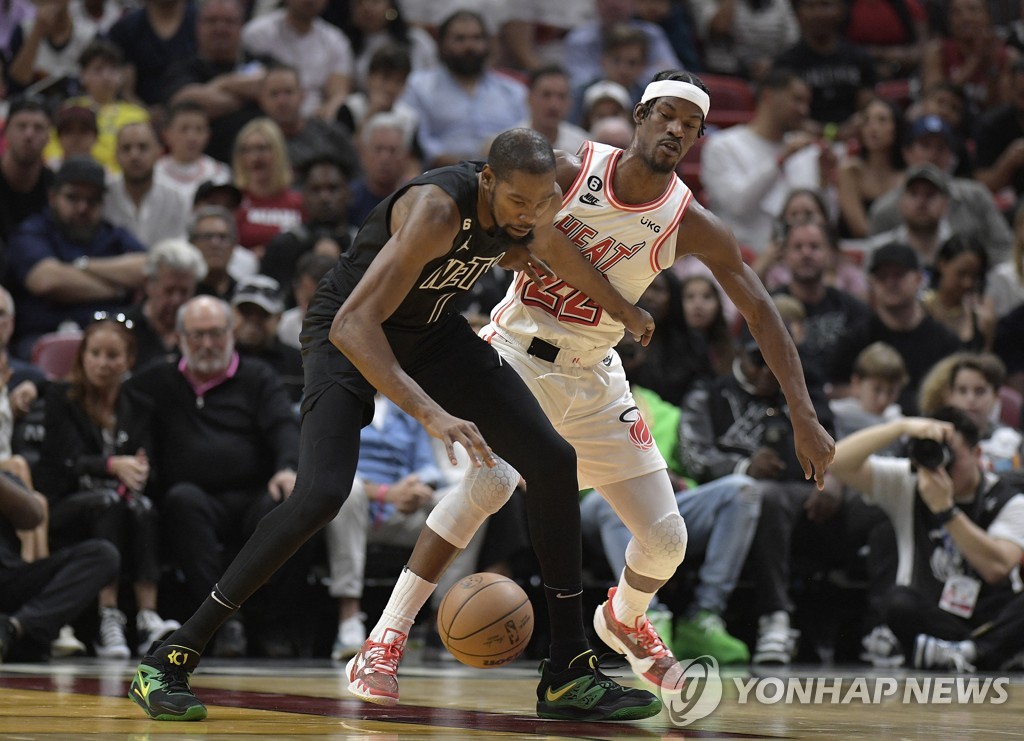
[739, 424]
[959, 539]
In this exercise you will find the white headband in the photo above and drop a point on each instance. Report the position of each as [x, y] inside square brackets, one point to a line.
[678, 89]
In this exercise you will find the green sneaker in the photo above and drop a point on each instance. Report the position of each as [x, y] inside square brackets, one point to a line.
[705, 633]
[161, 687]
[582, 692]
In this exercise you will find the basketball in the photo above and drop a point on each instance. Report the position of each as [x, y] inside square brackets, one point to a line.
[485, 620]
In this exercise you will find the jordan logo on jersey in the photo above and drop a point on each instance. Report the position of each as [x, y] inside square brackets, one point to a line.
[639, 433]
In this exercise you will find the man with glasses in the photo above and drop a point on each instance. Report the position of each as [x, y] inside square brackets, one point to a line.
[213, 231]
[67, 262]
[225, 448]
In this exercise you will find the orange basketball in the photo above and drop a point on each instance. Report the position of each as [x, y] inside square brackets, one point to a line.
[485, 620]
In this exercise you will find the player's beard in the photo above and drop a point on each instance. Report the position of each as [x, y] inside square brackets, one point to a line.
[499, 232]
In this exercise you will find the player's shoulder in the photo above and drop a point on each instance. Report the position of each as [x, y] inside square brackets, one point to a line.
[567, 168]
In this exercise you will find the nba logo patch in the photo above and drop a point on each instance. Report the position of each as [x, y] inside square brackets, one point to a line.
[639, 433]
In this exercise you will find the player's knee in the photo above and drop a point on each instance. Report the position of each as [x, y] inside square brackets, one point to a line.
[661, 550]
[489, 488]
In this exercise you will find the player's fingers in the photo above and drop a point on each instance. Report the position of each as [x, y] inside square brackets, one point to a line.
[449, 449]
[534, 277]
[540, 266]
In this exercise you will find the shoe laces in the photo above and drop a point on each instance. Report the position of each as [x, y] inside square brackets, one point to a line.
[175, 679]
[647, 637]
[112, 628]
[600, 678]
[384, 657]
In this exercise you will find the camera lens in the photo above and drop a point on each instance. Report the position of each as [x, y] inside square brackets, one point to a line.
[930, 454]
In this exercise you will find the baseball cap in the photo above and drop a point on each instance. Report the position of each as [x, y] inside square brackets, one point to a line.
[208, 188]
[897, 254]
[81, 170]
[261, 290]
[75, 114]
[606, 89]
[930, 174]
[931, 124]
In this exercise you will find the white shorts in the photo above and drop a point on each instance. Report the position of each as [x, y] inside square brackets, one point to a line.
[593, 409]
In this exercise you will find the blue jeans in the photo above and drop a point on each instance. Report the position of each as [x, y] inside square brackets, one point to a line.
[721, 517]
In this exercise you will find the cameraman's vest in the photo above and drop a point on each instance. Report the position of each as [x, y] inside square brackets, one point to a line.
[936, 557]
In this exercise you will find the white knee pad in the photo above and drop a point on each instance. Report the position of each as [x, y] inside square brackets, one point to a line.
[481, 493]
[661, 550]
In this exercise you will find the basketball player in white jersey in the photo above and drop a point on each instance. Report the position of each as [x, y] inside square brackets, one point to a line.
[631, 215]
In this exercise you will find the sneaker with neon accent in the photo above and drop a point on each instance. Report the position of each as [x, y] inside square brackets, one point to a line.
[643, 648]
[705, 633]
[161, 685]
[583, 692]
[372, 673]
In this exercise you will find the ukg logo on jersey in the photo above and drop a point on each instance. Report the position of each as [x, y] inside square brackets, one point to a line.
[692, 690]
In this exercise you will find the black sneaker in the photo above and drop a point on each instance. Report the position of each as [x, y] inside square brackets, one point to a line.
[161, 687]
[582, 692]
[8, 635]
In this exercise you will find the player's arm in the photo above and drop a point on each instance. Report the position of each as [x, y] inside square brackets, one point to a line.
[565, 259]
[424, 222]
[702, 234]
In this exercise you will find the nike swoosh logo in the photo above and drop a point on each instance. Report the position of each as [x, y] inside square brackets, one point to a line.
[554, 696]
[145, 689]
[569, 596]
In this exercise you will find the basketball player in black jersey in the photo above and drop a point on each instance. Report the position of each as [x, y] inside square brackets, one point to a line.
[380, 320]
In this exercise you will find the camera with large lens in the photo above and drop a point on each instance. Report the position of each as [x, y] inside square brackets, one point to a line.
[925, 452]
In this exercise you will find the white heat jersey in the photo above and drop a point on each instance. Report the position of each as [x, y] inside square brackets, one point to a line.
[630, 244]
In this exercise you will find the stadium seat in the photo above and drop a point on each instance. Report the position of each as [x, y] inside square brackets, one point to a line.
[732, 100]
[689, 170]
[55, 353]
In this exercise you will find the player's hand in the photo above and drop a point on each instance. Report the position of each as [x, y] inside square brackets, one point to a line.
[281, 484]
[450, 430]
[518, 257]
[815, 449]
[640, 324]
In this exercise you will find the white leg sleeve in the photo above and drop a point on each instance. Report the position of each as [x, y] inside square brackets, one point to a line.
[647, 507]
[462, 511]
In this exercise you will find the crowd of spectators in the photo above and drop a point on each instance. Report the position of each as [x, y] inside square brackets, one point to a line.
[177, 175]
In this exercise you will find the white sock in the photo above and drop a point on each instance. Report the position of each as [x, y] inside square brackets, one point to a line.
[629, 603]
[407, 599]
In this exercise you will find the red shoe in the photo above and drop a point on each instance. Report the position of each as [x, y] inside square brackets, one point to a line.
[372, 672]
[643, 648]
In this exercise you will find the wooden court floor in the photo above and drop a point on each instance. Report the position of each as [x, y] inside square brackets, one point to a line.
[86, 698]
